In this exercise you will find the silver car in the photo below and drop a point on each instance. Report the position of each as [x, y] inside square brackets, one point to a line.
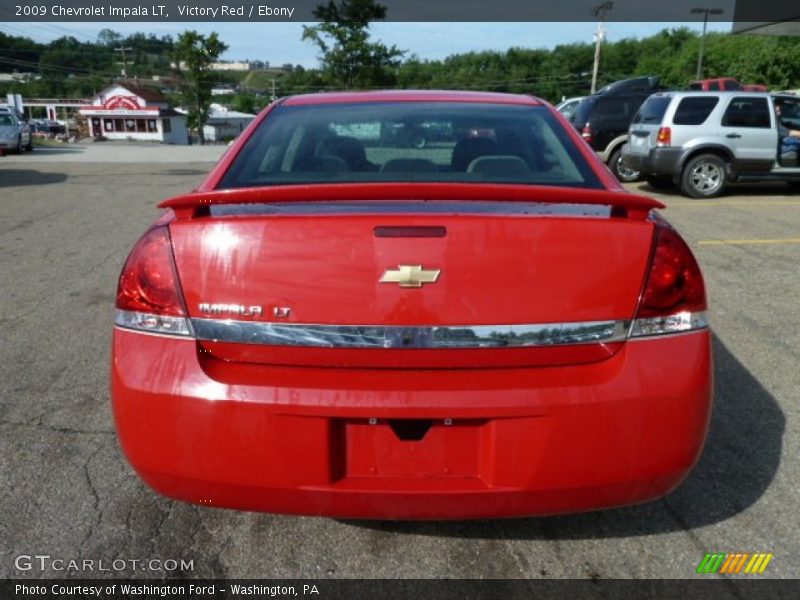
[701, 141]
[15, 135]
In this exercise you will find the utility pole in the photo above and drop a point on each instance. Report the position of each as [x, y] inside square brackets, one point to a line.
[705, 12]
[600, 11]
[273, 97]
[124, 50]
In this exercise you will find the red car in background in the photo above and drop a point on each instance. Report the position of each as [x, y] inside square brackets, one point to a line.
[487, 326]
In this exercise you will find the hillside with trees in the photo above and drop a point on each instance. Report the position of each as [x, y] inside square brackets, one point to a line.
[67, 67]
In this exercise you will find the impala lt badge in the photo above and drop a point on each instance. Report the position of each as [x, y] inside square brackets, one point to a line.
[230, 310]
[410, 276]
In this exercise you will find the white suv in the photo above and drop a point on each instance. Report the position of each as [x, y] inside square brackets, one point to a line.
[702, 140]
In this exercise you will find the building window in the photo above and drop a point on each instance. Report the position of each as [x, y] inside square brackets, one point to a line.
[151, 126]
[130, 125]
[108, 125]
[119, 125]
[141, 126]
[167, 126]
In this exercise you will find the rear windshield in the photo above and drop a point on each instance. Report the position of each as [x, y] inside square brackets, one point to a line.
[409, 141]
[652, 111]
[694, 110]
[583, 111]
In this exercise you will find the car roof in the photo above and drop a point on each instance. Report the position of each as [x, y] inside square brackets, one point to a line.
[727, 93]
[412, 96]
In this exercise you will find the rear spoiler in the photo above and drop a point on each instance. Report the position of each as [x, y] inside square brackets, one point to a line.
[622, 204]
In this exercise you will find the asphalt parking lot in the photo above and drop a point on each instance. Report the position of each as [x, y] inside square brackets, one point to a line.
[67, 221]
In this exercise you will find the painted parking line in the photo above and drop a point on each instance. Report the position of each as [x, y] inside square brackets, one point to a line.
[712, 204]
[747, 242]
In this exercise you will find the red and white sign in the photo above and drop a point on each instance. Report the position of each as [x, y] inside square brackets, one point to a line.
[122, 103]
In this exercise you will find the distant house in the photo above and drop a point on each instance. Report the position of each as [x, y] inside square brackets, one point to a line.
[224, 124]
[223, 90]
[126, 111]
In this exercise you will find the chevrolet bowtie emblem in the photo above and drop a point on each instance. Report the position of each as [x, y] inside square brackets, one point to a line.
[410, 276]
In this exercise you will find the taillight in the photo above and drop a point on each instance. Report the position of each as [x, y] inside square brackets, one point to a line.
[664, 137]
[148, 296]
[586, 133]
[674, 296]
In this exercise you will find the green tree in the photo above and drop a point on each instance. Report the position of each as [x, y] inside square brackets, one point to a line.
[194, 53]
[245, 103]
[108, 37]
[349, 59]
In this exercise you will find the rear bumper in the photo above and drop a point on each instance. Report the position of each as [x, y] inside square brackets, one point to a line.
[502, 442]
[659, 161]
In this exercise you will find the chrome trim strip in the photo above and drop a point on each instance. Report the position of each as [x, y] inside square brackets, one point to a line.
[378, 336]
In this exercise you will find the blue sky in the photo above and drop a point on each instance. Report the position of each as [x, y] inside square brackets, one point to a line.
[280, 43]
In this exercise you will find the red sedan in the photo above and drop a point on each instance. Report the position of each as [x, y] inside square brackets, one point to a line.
[338, 322]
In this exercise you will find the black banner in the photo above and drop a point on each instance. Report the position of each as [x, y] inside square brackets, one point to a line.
[735, 587]
[739, 11]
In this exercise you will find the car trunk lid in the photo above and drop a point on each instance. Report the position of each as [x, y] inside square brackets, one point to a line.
[426, 286]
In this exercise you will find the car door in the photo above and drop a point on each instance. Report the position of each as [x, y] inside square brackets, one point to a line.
[747, 128]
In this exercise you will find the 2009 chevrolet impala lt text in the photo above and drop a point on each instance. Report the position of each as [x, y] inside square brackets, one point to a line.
[411, 305]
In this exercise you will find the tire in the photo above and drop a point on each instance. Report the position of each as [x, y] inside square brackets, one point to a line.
[703, 176]
[19, 146]
[659, 182]
[29, 147]
[623, 173]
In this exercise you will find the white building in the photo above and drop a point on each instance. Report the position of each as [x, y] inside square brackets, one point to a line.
[223, 90]
[224, 124]
[128, 112]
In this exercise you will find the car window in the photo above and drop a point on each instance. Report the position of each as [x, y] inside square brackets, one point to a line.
[653, 109]
[614, 110]
[6, 119]
[694, 110]
[744, 111]
[409, 141]
[583, 111]
[713, 86]
[790, 112]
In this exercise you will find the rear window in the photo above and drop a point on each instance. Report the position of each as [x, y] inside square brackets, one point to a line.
[6, 119]
[694, 110]
[583, 111]
[409, 142]
[652, 111]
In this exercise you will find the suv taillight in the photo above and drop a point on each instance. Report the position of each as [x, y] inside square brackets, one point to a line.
[586, 133]
[148, 295]
[674, 296]
[664, 137]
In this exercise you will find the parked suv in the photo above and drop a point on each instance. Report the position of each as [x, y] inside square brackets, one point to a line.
[603, 119]
[701, 141]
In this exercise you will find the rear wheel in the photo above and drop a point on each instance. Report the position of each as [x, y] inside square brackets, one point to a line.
[703, 176]
[622, 172]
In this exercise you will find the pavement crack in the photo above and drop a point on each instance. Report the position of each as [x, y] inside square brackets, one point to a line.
[56, 429]
[96, 508]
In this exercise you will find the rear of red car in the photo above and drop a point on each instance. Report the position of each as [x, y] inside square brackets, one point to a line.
[480, 329]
